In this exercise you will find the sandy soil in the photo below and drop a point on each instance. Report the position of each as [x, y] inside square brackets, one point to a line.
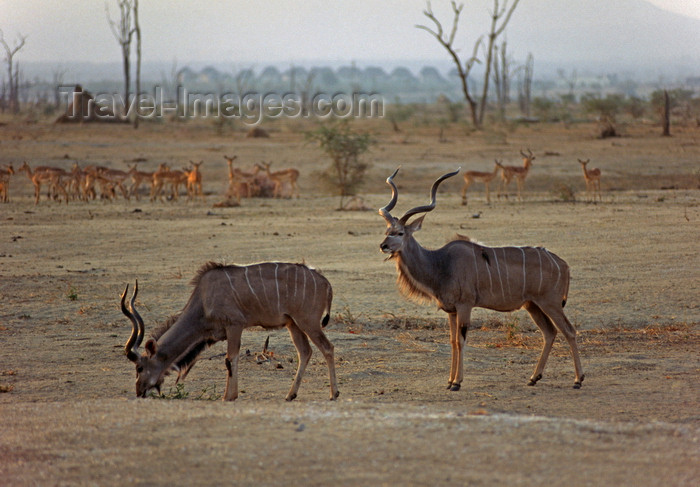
[67, 406]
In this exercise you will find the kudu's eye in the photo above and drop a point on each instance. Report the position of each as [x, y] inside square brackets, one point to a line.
[139, 369]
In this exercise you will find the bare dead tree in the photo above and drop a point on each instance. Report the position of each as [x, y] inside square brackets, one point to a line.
[666, 115]
[502, 74]
[137, 31]
[571, 81]
[447, 41]
[123, 33]
[12, 70]
[57, 79]
[499, 20]
[525, 85]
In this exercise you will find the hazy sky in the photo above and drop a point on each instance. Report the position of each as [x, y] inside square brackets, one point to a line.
[245, 31]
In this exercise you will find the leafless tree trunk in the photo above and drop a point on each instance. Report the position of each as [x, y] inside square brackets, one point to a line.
[3, 96]
[666, 115]
[505, 14]
[137, 31]
[123, 32]
[12, 70]
[499, 19]
[57, 75]
[571, 82]
[501, 79]
[525, 89]
[447, 42]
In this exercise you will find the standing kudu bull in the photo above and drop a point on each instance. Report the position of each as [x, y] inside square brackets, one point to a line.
[225, 300]
[464, 274]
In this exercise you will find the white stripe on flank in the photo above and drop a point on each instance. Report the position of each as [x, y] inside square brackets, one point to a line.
[523, 252]
[551, 257]
[483, 249]
[251, 287]
[539, 257]
[489, 271]
[498, 268]
[235, 294]
[277, 285]
[262, 283]
[507, 279]
[476, 266]
[303, 295]
[296, 268]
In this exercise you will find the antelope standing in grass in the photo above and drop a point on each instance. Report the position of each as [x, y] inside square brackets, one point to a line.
[137, 179]
[240, 181]
[464, 274]
[46, 174]
[163, 175]
[194, 181]
[5, 174]
[518, 172]
[282, 179]
[471, 177]
[592, 177]
[226, 300]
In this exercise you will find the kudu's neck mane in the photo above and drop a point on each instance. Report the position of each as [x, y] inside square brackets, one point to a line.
[418, 271]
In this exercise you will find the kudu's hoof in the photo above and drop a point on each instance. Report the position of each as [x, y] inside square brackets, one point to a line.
[455, 387]
[290, 397]
[534, 380]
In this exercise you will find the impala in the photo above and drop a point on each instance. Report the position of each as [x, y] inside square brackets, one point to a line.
[464, 274]
[282, 179]
[5, 174]
[518, 172]
[592, 177]
[227, 299]
[46, 174]
[471, 177]
[137, 179]
[194, 181]
[163, 175]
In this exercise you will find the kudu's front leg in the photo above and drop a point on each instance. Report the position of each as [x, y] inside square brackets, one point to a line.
[459, 324]
[233, 337]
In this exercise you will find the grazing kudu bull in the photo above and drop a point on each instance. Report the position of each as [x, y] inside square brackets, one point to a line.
[464, 274]
[225, 300]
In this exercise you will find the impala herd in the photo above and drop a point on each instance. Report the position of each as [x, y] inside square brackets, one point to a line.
[92, 182]
[99, 182]
[520, 173]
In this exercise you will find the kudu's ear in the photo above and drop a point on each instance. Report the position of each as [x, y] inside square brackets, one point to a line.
[151, 347]
[416, 224]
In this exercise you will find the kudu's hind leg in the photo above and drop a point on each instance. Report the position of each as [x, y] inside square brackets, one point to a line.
[556, 315]
[304, 354]
[569, 332]
[549, 332]
[326, 347]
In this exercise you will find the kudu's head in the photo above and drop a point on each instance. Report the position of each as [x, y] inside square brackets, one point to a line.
[399, 231]
[149, 372]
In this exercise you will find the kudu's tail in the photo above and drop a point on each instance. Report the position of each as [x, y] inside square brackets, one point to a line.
[327, 317]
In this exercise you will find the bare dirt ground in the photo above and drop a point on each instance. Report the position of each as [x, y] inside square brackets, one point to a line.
[67, 407]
